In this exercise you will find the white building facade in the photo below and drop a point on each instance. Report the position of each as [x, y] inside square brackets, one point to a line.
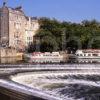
[30, 31]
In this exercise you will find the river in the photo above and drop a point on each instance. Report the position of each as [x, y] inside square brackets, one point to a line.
[66, 85]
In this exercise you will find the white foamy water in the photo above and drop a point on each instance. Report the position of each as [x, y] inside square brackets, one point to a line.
[61, 84]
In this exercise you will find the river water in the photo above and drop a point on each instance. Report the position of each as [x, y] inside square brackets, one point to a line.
[66, 86]
[11, 60]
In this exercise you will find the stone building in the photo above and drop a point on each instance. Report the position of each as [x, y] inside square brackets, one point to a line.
[7, 52]
[16, 29]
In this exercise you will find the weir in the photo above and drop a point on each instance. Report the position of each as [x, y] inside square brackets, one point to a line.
[48, 82]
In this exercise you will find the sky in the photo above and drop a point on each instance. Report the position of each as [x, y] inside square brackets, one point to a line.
[63, 10]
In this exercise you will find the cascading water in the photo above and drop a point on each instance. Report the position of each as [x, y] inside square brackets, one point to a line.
[67, 85]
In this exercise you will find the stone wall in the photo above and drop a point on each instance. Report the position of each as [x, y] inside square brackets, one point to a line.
[10, 55]
[7, 52]
[16, 28]
[4, 26]
[20, 28]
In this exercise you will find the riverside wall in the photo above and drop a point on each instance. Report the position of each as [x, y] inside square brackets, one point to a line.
[9, 55]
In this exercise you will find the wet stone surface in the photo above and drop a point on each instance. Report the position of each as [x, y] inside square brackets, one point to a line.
[71, 87]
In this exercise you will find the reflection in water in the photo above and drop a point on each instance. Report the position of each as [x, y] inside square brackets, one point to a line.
[66, 87]
[10, 60]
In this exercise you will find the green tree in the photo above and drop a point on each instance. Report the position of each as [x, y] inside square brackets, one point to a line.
[51, 33]
[48, 44]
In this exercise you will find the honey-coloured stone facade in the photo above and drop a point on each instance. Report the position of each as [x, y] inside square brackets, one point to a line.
[16, 29]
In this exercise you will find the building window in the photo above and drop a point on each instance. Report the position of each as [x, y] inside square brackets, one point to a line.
[95, 54]
[29, 38]
[89, 54]
[17, 17]
[32, 25]
[81, 55]
[77, 54]
[84, 54]
[17, 25]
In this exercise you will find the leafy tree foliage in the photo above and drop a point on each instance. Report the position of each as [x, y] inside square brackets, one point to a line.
[54, 34]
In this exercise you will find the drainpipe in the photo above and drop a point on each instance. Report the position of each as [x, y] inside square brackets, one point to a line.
[29, 22]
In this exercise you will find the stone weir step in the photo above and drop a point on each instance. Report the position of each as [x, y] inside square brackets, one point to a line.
[13, 91]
